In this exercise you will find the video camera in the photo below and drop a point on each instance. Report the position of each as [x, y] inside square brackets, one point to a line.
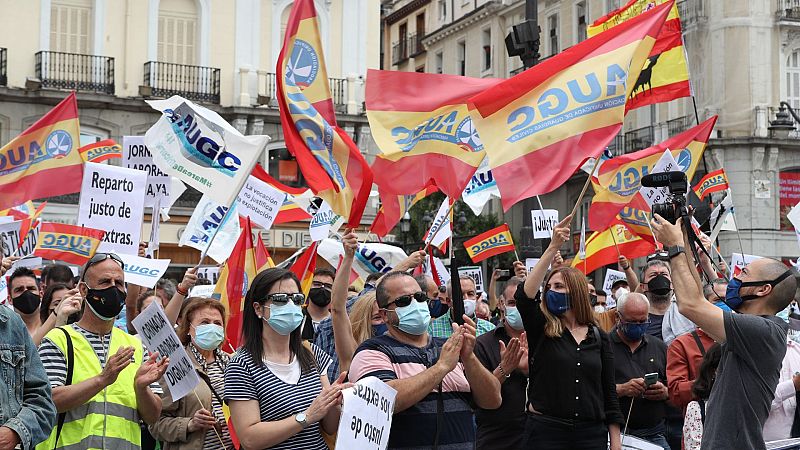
[676, 184]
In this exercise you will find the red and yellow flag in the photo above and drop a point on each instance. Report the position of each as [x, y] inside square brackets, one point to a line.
[69, 243]
[665, 75]
[541, 125]
[422, 125]
[330, 161]
[100, 151]
[636, 222]
[493, 242]
[394, 208]
[713, 182]
[291, 210]
[304, 267]
[263, 260]
[618, 180]
[601, 249]
[44, 160]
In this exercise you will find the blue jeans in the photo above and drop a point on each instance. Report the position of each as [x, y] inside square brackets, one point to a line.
[655, 435]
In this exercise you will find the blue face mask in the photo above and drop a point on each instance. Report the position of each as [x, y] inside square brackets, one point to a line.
[733, 297]
[208, 336]
[284, 318]
[557, 302]
[513, 319]
[414, 318]
[633, 331]
[379, 330]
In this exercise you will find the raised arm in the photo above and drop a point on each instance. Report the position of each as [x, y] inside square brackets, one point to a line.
[630, 276]
[174, 306]
[342, 330]
[70, 304]
[533, 282]
[492, 294]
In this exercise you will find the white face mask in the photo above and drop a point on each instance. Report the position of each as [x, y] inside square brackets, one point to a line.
[599, 308]
[469, 307]
[620, 292]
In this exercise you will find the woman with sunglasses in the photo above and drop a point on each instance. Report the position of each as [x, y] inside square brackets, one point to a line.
[276, 386]
[572, 393]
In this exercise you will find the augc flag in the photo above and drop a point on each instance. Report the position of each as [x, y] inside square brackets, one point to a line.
[539, 126]
[101, 151]
[665, 75]
[493, 242]
[330, 161]
[713, 182]
[394, 208]
[422, 125]
[618, 180]
[601, 249]
[44, 160]
[68, 243]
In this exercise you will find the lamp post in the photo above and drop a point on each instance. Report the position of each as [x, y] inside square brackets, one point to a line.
[783, 124]
[405, 226]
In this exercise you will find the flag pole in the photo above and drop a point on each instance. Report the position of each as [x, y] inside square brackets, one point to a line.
[585, 187]
[616, 246]
[212, 413]
[653, 234]
[738, 233]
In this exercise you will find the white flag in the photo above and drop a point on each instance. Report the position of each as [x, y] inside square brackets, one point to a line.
[198, 146]
[324, 222]
[722, 216]
[481, 188]
[442, 220]
[208, 216]
[370, 257]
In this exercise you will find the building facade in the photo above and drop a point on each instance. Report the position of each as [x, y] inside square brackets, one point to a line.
[222, 54]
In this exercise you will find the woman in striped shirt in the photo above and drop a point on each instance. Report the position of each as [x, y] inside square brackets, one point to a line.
[276, 387]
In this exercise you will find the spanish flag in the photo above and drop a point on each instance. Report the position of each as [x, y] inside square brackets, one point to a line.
[69, 243]
[713, 182]
[601, 249]
[330, 161]
[665, 75]
[636, 222]
[618, 180]
[44, 160]
[295, 204]
[101, 151]
[541, 125]
[493, 242]
[263, 259]
[422, 126]
[304, 267]
[394, 208]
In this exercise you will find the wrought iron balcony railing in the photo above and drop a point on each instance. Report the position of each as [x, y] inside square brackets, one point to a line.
[74, 71]
[193, 82]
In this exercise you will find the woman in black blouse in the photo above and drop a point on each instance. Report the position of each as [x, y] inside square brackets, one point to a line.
[572, 395]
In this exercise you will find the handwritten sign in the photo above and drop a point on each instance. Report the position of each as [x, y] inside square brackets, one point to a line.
[544, 221]
[667, 163]
[158, 335]
[366, 415]
[476, 274]
[144, 271]
[260, 201]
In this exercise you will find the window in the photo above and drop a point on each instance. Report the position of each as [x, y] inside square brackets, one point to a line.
[552, 33]
[71, 26]
[486, 38]
[403, 31]
[462, 58]
[580, 15]
[421, 69]
[177, 32]
[793, 79]
[439, 61]
[442, 10]
[421, 25]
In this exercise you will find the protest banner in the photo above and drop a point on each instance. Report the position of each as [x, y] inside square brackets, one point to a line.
[666, 163]
[612, 276]
[10, 234]
[366, 415]
[136, 155]
[475, 273]
[207, 217]
[543, 222]
[144, 271]
[370, 257]
[206, 291]
[158, 335]
[112, 199]
[260, 201]
[210, 273]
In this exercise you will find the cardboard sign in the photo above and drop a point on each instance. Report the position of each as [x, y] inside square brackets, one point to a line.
[476, 274]
[611, 277]
[260, 201]
[112, 200]
[144, 271]
[210, 273]
[544, 221]
[158, 335]
[136, 155]
[366, 415]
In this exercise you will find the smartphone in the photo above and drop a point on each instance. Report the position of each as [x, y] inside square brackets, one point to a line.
[650, 379]
[503, 275]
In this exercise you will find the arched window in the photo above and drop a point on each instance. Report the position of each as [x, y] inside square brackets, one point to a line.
[178, 32]
[71, 26]
[793, 79]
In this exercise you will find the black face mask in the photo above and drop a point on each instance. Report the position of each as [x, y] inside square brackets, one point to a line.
[27, 303]
[320, 296]
[106, 303]
[660, 285]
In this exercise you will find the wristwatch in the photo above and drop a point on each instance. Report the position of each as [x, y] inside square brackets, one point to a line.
[674, 251]
[301, 419]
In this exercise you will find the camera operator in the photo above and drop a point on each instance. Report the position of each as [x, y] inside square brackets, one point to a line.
[753, 341]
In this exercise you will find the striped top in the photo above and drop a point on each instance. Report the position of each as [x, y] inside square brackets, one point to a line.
[388, 359]
[277, 399]
[216, 374]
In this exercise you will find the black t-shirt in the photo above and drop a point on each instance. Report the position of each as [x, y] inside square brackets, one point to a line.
[746, 379]
[654, 329]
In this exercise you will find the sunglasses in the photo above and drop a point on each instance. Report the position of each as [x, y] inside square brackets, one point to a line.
[283, 299]
[405, 300]
[100, 257]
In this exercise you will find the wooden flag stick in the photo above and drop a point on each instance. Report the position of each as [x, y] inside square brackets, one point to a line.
[616, 246]
[212, 413]
[585, 187]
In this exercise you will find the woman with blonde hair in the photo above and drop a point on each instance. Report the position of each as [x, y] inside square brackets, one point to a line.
[572, 385]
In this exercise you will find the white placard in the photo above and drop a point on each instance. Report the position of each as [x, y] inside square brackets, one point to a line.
[158, 335]
[323, 222]
[475, 273]
[543, 221]
[530, 263]
[136, 155]
[366, 415]
[667, 163]
[612, 276]
[209, 215]
[9, 239]
[370, 257]
[112, 200]
[210, 273]
[740, 261]
[633, 443]
[206, 290]
[260, 201]
[144, 271]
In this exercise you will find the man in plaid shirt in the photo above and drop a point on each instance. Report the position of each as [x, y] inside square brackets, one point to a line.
[441, 327]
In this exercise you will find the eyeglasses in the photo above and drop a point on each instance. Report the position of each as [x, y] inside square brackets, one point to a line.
[405, 300]
[282, 299]
[319, 284]
[100, 257]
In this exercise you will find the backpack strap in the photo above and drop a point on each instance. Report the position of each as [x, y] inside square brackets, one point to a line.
[699, 343]
[70, 368]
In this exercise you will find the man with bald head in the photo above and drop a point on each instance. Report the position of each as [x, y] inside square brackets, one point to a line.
[637, 354]
[753, 339]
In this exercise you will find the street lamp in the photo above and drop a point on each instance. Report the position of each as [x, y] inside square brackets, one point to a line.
[783, 124]
[405, 226]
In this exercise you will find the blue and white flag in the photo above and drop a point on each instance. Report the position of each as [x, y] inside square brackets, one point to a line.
[481, 188]
[209, 216]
